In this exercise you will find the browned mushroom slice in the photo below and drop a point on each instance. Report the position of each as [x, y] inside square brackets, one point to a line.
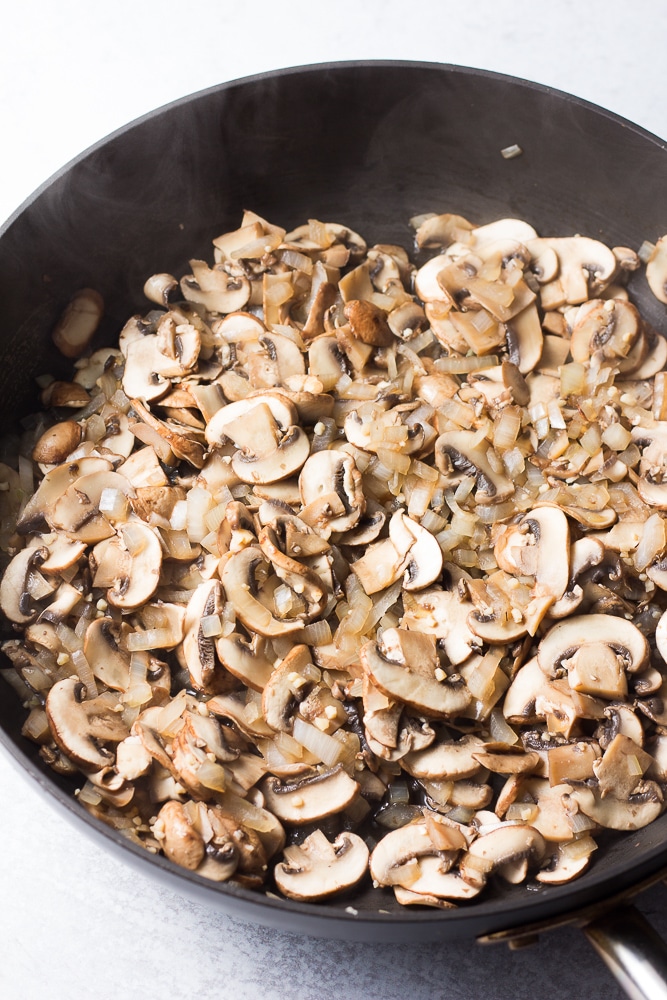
[80, 726]
[311, 798]
[317, 869]
[76, 327]
[216, 858]
[621, 767]
[56, 443]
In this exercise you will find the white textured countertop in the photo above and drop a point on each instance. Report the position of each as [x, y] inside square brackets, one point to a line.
[74, 922]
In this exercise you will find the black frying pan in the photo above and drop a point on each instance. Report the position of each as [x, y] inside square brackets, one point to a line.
[370, 145]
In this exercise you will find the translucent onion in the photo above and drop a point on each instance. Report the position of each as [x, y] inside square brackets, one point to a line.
[500, 729]
[652, 542]
[84, 672]
[327, 749]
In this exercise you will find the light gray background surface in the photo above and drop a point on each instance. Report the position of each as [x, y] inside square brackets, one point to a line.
[75, 923]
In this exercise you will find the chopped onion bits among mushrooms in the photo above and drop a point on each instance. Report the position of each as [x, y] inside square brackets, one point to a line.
[340, 570]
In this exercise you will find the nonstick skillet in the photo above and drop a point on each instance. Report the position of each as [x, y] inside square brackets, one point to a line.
[370, 144]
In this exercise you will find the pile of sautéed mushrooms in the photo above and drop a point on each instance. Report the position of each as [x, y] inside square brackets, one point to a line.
[336, 568]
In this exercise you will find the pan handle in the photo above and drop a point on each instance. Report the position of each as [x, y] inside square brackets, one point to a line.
[633, 951]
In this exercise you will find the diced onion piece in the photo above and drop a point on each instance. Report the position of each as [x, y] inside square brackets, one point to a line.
[198, 503]
[327, 749]
[580, 847]
[500, 729]
[84, 672]
[212, 775]
[179, 515]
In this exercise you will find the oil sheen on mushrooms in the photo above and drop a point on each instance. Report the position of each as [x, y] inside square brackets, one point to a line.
[338, 571]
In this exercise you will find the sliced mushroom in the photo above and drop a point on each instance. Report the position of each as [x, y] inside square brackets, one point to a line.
[459, 454]
[656, 270]
[317, 869]
[596, 651]
[328, 473]
[240, 584]
[82, 727]
[632, 813]
[413, 684]
[312, 798]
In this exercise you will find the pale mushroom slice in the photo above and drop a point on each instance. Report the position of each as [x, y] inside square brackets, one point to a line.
[444, 614]
[564, 867]
[81, 727]
[310, 799]
[656, 270]
[287, 686]
[331, 474]
[652, 484]
[239, 579]
[16, 600]
[635, 811]
[446, 760]
[303, 580]
[499, 848]
[621, 767]
[139, 568]
[199, 648]
[397, 858]
[538, 546]
[597, 651]
[584, 265]
[107, 660]
[246, 659]
[413, 682]
[318, 868]
[608, 326]
[52, 487]
[459, 454]
[214, 288]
